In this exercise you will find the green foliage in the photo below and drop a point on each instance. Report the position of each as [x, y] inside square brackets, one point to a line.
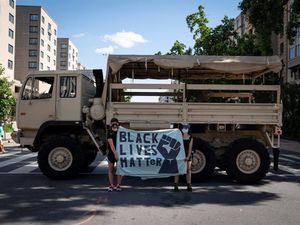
[7, 100]
[179, 48]
[8, 128]
[291, 111]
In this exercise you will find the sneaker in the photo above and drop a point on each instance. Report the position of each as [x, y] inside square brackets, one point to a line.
[176, 189]
[118, 188]
[189, 188]
[110, 188]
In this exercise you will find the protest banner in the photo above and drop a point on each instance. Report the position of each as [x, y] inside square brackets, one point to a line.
[145, 154]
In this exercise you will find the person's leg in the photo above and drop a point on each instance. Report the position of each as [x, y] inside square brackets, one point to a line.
[111, 173]
[119, 180]
[176, 180]
[189, 176]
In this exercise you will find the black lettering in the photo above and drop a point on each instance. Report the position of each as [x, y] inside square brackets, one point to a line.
[154, 150]
[132, 164]
[139, 149]
[154, 136]
[158, 161]
[139, 161]
[123, 162]
[129, 140]
[145, 138]
[122, 136]
[152, 162]
[147, 160]
[121, 150]
[147, 147]
[138, 138]
[130, 149]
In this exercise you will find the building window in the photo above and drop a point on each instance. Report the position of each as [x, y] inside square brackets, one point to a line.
[10, 64]
[10, 49]
[298, 50]
[32, 53]
[63, 55]
[67, 87]
[54, 62]
[48, 68]
[69, 64]
[11, 33]
[55, 32]
[49, 28]
[63, 63]
[33, 29]
[43, 19]
[32, 65]
[63, 46]
[48, 58]
[12, 3]
[42, 42]
[49, 48]
[55, 42]
[292, 53]
[281, 48]
[43, 31]
[42, 66]
[42, 54]
[49, 37]
[54, 52]
[33, 41]
[34, 17]
[11, 18]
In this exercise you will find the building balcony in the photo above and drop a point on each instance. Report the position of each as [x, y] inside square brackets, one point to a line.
[294, 62]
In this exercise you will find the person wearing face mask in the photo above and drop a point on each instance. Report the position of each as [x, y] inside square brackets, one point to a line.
[188, 145]
[112, 155]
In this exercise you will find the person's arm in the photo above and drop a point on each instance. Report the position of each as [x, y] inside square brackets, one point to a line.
[112, 147]
[190, 149]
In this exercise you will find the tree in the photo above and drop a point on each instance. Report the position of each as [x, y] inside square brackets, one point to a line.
[7, 100]
[179, 48]
[294, 21]
[266, 17]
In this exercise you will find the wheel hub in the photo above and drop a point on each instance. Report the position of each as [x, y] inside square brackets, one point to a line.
[248, 161]
[60, 158]
[198, 161]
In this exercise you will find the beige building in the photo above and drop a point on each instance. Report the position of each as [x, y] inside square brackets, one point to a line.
[242, 26]
[67, 55]
[80, 66]
[7, 36]
[36, 41]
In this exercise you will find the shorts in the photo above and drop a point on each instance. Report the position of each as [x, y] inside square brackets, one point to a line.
[111, 157]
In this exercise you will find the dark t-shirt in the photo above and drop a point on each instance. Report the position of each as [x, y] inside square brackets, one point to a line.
[186, 143]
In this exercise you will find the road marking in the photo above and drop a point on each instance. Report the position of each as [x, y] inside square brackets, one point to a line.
[284, 159]
[25, 169]
[9, 153]
[296, 172]
[291, 156]
[17, 159]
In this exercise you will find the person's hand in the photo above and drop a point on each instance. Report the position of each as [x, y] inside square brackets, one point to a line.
[116, 156]
[186, 159]
[166, 143]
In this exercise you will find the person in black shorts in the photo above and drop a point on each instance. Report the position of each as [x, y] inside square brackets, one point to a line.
[112, 155]
[188, 145]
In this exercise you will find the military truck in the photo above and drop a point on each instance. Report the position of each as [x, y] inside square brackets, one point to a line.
[235, 118]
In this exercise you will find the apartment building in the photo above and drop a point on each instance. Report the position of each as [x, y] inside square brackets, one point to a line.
[36, 41]
[7, 37]
[80, 66]
[67, 55]
[242, 26]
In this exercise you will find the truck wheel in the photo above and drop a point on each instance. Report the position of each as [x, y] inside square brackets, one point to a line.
[247, 161]
[60, 157]
[203, 160]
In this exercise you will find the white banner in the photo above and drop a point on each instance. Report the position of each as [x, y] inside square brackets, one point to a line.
[157, 153]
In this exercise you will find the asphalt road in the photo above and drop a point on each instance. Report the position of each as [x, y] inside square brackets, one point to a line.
[27, 197]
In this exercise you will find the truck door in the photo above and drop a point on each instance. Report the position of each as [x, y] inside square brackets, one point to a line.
[37, 102]
[68, 99]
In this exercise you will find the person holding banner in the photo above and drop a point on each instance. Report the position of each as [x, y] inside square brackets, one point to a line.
[112, 155]
[188, 145]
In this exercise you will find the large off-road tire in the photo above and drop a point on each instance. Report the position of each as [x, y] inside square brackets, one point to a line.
[247, 161]
[60, 157]
[203, 160]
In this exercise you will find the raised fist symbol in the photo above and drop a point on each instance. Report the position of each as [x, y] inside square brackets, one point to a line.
[169, 164]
